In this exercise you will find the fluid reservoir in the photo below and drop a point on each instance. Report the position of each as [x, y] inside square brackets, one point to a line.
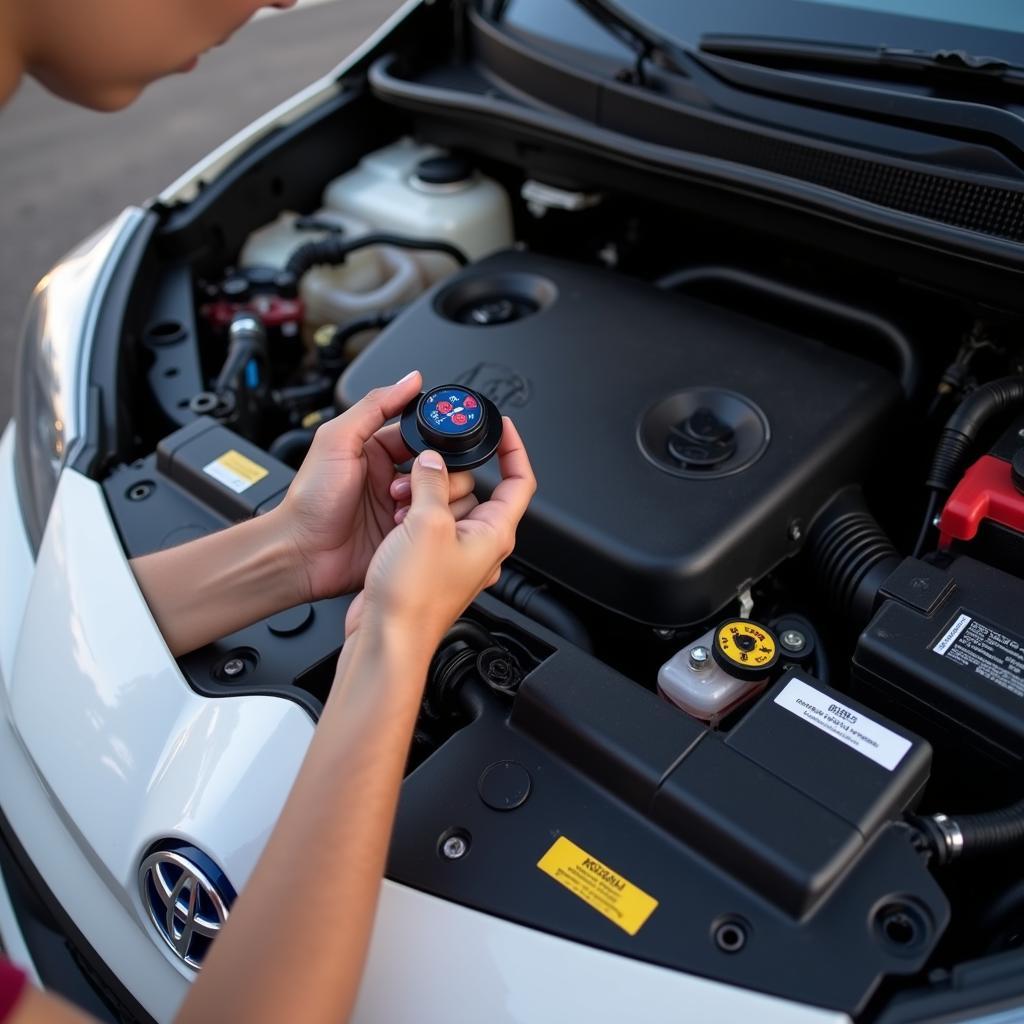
[421, 191]
[720, 670]
[378, 277]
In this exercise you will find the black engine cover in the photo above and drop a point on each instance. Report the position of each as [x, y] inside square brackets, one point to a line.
[681, 449]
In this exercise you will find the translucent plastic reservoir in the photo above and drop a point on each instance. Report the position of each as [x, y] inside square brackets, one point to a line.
[418, 190]
[699, 686]
[371, 279]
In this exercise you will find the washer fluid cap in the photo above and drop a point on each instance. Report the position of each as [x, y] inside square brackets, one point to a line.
[745, 649]
[443, 170]
[459, 423]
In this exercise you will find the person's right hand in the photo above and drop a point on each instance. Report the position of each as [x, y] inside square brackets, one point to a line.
[431, 566]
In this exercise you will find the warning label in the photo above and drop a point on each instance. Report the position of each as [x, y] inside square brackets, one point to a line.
[988, 652]
[236, 471]
[597, 885]
[854, 728]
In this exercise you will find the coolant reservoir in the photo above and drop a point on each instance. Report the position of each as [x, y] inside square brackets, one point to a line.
[720, 670]
[371, 279]
[421, 191]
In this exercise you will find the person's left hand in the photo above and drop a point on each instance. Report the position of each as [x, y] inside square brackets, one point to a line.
[347, 495]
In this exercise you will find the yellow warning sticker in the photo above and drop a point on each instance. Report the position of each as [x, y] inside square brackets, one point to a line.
[598, 885]
[235, 471]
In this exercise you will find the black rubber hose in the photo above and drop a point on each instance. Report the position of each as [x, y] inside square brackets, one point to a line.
[534, 600]
[962, 428]
[335, 249]
[792, 295]
[851, 555]
[292, 446]
[966, 837]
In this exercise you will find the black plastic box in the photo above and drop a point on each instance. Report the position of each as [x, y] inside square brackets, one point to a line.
[946, 649]
[597, 380]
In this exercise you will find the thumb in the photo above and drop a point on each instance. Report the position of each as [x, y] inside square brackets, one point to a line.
[429, 482]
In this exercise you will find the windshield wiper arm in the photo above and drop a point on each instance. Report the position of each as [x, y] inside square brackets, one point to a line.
[798, 54]
[645, 43]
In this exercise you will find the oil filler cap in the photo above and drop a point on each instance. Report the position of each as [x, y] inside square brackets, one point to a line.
[459, 423]
[745, 649]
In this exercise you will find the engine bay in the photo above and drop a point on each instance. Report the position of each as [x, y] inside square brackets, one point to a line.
[746, 701]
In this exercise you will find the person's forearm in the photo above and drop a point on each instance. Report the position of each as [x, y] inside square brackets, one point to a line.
[210, 587]
[336, 825]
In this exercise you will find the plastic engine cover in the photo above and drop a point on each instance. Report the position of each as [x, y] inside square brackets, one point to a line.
[681, 449]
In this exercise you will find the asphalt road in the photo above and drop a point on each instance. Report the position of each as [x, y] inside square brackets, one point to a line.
[65, 171]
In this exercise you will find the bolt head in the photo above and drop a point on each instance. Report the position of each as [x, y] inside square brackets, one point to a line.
[793, 640]
[796, 531]
[454, 848]
[234, 667]
[700, 657]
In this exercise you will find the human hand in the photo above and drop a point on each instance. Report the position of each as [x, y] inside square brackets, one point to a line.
[428, 570]
[347, 494]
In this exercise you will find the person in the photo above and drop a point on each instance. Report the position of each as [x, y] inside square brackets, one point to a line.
[350, 522]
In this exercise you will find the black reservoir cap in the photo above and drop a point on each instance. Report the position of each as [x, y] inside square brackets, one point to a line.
[863, 767]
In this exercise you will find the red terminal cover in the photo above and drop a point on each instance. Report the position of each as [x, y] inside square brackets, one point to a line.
[273, 310]
[986, 491]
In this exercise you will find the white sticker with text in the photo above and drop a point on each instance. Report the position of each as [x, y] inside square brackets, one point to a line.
[853, 728]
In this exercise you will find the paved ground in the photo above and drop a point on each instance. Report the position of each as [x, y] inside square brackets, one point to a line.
[64, 171]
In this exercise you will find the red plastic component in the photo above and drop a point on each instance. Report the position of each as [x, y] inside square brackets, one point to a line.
[444, 407]
[271, 309]
[985, 492]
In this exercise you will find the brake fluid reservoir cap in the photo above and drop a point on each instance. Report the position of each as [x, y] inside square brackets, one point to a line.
[459, 423]
[745, 649]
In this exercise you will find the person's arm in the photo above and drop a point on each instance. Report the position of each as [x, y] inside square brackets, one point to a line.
[338, 818]
[318, 543]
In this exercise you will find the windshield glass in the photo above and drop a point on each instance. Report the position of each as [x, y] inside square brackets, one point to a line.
[1002, 15]
[991, 28]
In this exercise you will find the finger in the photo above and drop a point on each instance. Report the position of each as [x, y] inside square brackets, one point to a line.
[459, 485]
[429, 484]
[390, 439]
[401, 487]
[506, 505]
[353, 428]
[462, 507]
[354, 614]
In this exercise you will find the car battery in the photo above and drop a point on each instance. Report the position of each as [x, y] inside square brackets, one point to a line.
[945, 652]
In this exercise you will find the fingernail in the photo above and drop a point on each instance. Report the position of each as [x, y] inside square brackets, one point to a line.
[400, 487]
[408, 376]
[431, 460]
[401, 514]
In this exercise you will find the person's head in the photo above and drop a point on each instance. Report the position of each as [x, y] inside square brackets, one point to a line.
[103, 53]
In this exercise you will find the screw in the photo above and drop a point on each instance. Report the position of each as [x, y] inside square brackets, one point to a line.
[796, 530]
[730, 936]
[1020, 433]
[234, 667]
[140, 491]
[664, 634]
[936, 520]
[700, 658]
[793, 640]
[454, 847]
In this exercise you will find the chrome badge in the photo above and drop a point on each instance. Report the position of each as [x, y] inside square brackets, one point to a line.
[188, 899]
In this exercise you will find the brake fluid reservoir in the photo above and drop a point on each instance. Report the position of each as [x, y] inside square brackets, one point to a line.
[720, 670]
[421, 191]
[371, 279]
